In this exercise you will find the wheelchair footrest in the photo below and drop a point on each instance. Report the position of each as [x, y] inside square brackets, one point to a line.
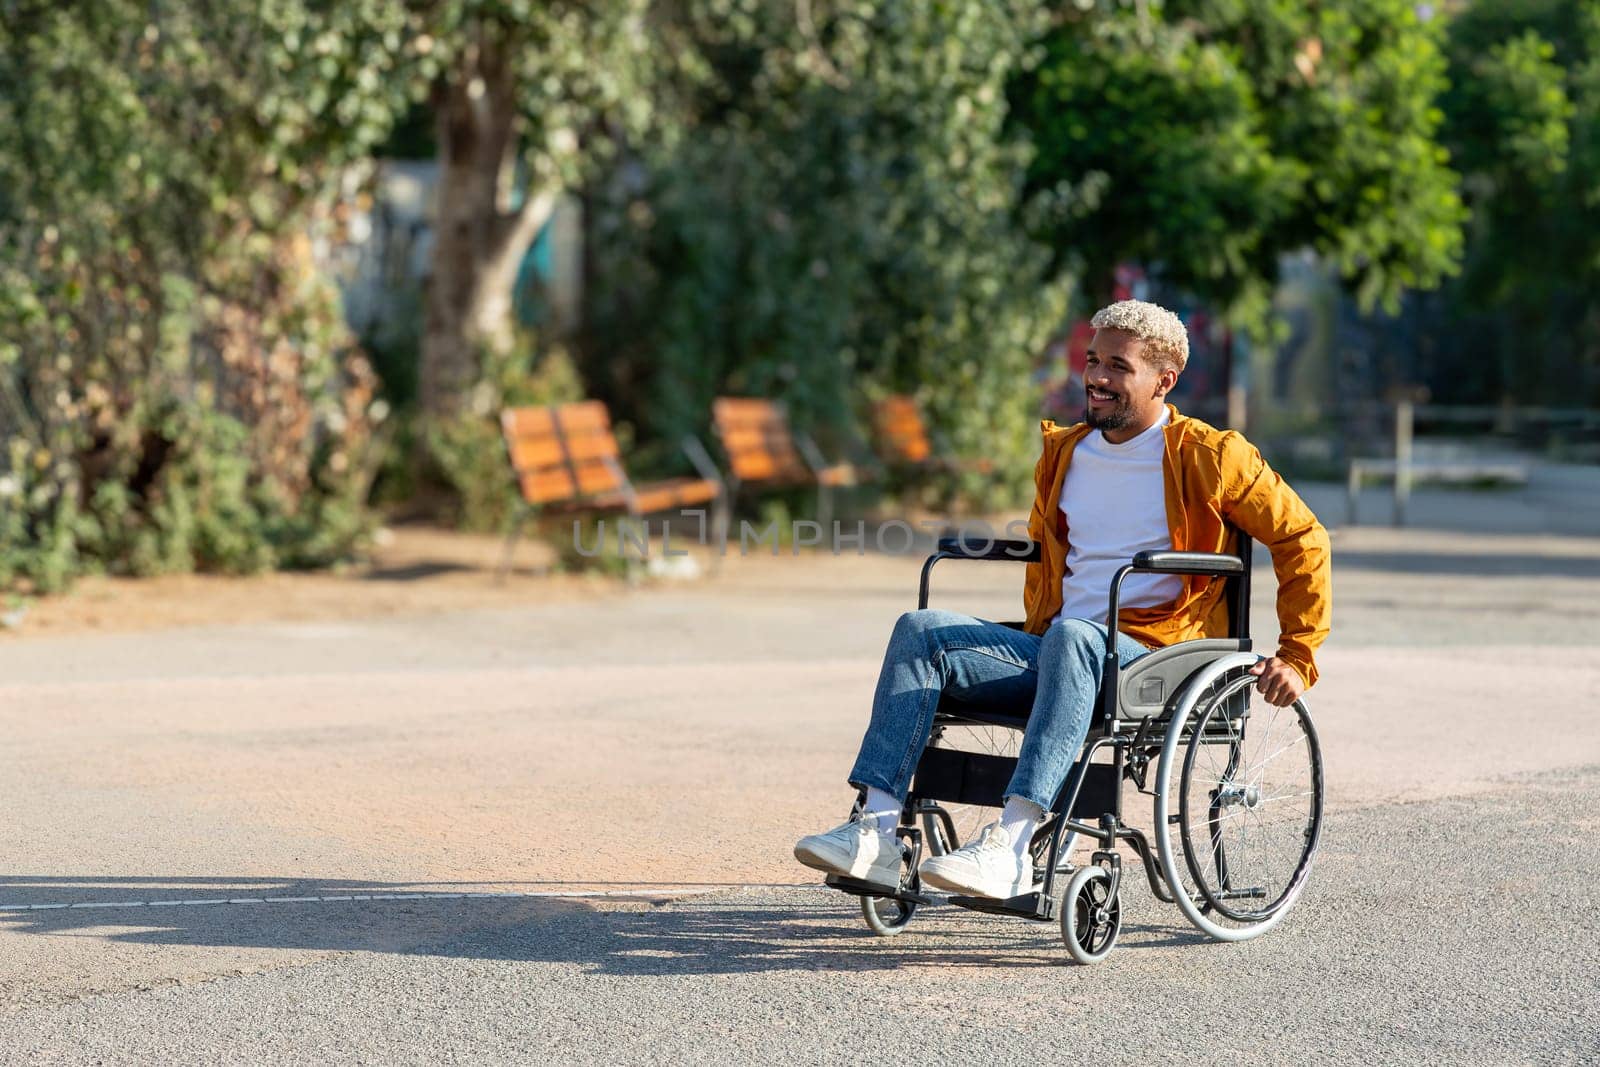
[858, 888]
[1038, 906]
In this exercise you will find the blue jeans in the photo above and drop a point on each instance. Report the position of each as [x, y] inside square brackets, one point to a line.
[1052, 679]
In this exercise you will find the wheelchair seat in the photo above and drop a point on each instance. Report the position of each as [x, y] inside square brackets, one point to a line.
[951, 709]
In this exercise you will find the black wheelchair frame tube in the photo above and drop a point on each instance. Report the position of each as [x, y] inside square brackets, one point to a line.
[993, 549]
[1111, 828]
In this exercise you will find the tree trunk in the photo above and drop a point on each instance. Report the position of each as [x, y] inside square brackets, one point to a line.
[478, 241]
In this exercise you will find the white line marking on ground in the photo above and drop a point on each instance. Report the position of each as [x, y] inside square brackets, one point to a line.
[666, 893]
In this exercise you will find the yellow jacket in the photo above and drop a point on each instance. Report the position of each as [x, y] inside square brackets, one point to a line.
[1214, 478]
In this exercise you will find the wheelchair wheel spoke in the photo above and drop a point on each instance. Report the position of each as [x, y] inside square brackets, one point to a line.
[968, 819]
[1247, 818]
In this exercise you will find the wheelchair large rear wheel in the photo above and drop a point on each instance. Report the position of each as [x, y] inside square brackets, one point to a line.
[1246, 780]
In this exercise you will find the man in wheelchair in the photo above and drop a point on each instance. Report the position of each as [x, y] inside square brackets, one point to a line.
[1134, 476]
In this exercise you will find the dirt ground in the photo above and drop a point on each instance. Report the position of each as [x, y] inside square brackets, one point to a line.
[413, 570]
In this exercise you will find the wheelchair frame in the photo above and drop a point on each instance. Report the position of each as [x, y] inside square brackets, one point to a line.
[1095, 789]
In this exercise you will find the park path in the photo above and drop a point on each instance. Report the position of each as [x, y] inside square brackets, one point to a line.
[662, 743]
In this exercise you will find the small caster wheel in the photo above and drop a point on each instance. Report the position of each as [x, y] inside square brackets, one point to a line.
[887, 916]
[1090, 916]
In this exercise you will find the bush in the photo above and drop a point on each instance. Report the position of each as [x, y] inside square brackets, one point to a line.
[177, 387]
[468, 450]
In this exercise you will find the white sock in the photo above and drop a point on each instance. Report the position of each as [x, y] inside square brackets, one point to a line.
[1021, 818]
[883, 807]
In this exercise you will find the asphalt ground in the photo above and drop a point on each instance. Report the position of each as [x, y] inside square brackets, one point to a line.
[1415, 944]
[620, 780]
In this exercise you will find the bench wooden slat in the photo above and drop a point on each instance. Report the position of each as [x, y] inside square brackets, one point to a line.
[909, 448]
[731, 409]
[547, 486]
[772, 442]
[901, 430]
[840, 474]
[527, 422]
[766, 418]
[675, 493]
[596, 476]
[584, 416]
[530, 454]
[592, 446]
[762, 466]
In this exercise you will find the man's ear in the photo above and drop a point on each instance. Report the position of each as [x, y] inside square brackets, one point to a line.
[1165, 381]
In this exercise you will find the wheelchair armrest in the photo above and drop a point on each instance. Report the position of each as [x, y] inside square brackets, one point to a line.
[991, 548]
[988, 548]
[1187, 563]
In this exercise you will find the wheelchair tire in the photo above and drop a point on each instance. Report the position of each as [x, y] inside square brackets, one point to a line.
[887, 916]
[1249, 802]
[1090, 917]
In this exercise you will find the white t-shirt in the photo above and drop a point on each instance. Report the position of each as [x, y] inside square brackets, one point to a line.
[1114, 500]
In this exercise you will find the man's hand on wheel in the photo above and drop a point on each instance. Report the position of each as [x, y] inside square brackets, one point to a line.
[1278, 682]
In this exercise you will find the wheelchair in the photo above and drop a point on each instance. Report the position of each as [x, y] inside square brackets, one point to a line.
[1237, 784]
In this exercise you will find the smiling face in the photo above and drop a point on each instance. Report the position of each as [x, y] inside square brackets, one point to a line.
[1125, 390]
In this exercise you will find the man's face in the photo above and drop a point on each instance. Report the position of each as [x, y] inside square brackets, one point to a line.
[1123, 388]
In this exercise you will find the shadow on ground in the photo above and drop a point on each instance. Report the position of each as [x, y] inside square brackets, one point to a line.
[416, 572]
[747, 930]
[1476, 565]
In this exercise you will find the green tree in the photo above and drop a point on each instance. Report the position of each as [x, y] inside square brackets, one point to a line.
[1523, 124]
[826, 207]
[176, 385]
[525, 94]
[1207, 138]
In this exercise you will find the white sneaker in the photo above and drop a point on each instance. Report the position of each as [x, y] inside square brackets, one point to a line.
[986, 867]
[856, 849]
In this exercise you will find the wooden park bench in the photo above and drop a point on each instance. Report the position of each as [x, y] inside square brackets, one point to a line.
[903, 440]
[566, 460]
[762, 450]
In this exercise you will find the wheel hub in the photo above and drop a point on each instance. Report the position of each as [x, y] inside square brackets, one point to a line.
[1230, 794]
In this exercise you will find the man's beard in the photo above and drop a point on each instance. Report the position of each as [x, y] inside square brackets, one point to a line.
[1119, 416]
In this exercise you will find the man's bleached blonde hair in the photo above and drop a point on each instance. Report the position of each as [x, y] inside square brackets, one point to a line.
[1166, 341]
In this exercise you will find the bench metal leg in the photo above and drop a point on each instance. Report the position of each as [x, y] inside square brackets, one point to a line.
[721, 505]
[524, 513]
[721, 511]
[825, 511]
[633, 565]
[1403, 425]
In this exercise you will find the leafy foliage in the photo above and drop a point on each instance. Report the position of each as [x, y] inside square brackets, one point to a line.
[1208, 138]
[1524, 126]
[468, 449]
[519, 90]
[825, 208]
[177, 388]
